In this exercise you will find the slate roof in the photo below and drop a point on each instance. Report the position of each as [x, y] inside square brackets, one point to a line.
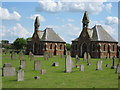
[97, 33]
[49, 35]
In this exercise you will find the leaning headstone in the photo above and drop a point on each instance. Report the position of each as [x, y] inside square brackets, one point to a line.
[85, 56]
[23, 63]
[118, 68]
[46, 56]
[8, 70]
[43, 71]
[20, 75]
[88, 59]
[68, 63]
[55, 64]
[77, 59]
[99, 65]
[21, 56]
[81, 67]
[31, 57]
[113, 64]
[13, 56]
[37, 65]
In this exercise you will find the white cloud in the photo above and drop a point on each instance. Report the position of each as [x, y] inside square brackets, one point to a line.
[16, 31]
[6, 15]
[42, 18]
[68, 31]
[70, 20]
[62, 5]
[111, 20]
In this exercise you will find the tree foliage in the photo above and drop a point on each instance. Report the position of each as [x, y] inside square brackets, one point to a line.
[19, 43]
[68, 46]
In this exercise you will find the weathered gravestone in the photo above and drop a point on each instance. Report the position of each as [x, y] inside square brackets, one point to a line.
[37, 65]
[108, 56]
[43, 71]
[85, 56]
[118, 68]
[23, 63]
[50, 54]
[31, 57]
[99, 65]
[13, 56]
[8, 70]
[81, 67]
[113, 64]
[20, 75]
[77, 59]
[68, 63]
[46, 56]
[55, 64]
[21, 56]
[88, 59]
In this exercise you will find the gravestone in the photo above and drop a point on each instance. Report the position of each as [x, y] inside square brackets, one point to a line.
[99, 65]
[20, 75]
[31, 57]
[46, 56]
[23, 63]
[108, 56]
[8, 70]
[118, 68]
[13, 56]
[85, 56]
[55, 64]
[88, 59]
[37, 65]
[43, 71]
[81, 67]
[68, 63]
[77, 59]
[50, 54]
[107, 65]
[21, 56]
[113, 63]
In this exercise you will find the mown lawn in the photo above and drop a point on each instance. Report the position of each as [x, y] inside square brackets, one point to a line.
[56, 78]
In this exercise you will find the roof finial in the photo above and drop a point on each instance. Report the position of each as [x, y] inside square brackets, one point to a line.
[85, 20]
[36, 24]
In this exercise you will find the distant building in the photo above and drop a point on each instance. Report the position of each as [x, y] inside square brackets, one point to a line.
[45, 41]
[95, 41]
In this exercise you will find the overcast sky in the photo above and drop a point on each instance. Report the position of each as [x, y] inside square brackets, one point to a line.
[64, 17]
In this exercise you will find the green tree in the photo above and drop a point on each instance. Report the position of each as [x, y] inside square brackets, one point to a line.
[19, 43]
[68, 46]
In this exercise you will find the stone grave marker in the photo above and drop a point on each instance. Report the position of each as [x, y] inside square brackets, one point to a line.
[55, 64]
[88, 59]
[81, 67]
[31, 57]
[85, 56]
[21, 56]
[46, 56]
[118, 68]
[8, 70]
[113, 63]
[99, 65]
[43, 71]
[107, 65]
[37, 65]
[13, 56]
[77, 59]
[20, 75]
[68, 62]
[108, 56]
[23, 63]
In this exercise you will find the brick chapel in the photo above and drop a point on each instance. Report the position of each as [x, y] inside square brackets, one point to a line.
[45, 41]
[95, 41]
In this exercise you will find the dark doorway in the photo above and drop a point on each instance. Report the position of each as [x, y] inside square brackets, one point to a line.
[35, 48]
[55, 50]
[84, 49]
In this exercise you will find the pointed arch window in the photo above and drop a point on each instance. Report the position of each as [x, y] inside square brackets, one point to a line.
[50, 46]
[60, 47]
[104, 47]
[113, 47]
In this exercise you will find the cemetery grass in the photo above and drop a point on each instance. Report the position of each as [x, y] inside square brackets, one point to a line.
[56, 78]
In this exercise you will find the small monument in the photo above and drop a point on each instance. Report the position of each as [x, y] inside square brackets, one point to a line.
[99, 65]
[23, 63]
[85, 56]
[113, 64]
[43, 71]
[88, 59]
[77, 59]
[118, 68]
[20, 75]
[37, 65]
[81, 67]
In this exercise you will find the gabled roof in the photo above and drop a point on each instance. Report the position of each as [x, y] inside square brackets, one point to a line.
[97, 33]
[49, 35]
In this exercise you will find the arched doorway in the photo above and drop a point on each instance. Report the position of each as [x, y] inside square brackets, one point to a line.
[55, 49]
[84, 49]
